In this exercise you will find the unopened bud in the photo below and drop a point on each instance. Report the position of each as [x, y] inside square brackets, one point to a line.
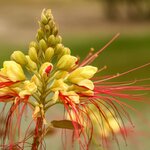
[66, 62]
[48, 14]
[40, 34]
[52, 40]
[45, 69]
[33, 44]
[58, 39]
[33, 54]
[49, 54]
[47, 27]
[51, 24]
[36, 80]
[43, 45]
[44, 19]
[66, 51]
[55, 31]
[31, 64]
[19, 57]
[59, 49]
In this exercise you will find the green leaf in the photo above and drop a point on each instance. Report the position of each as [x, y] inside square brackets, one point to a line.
[66, 124]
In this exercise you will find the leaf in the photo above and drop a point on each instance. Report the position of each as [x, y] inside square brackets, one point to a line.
[66, 124]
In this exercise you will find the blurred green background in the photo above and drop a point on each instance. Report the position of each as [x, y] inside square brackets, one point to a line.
[84, 24]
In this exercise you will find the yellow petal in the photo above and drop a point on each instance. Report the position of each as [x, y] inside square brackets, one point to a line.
[13, 71]
[72, 96]
[86, 83]
[28, 89]
[59, 85]
[81, 73]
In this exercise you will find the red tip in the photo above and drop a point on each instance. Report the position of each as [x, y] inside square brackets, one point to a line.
[48, 69]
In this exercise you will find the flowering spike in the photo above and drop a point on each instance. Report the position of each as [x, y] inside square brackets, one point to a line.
[93, 106]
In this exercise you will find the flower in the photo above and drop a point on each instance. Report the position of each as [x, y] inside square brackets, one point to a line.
[12, 71]
[93, 106]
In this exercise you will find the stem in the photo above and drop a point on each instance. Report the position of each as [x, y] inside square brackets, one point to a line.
[37, 133]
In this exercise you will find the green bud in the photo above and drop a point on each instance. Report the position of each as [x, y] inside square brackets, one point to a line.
[33, 44]
[44, 19]
[47, 27]
[40, 34]
[43, 45]
[66, 62]
[30, 64]
[55, 31]
[59, 49]
[58, 39]
[33, 54]
[51, 24]
[52, 40]
[19, 57]
[66, 51]
[48, 14]
[49, 54]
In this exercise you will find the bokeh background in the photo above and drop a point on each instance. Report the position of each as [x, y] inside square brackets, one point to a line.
[84, 24]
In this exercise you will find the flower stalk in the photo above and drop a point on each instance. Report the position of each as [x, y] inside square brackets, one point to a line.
[37, 133]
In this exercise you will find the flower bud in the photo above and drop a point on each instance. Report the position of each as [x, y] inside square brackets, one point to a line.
[52, 40]
[33, 44]
[51, 24]
[58, 39]
[40, 34]
[31, 65]
[47, 28]
[36, 80]
[48, 14]
[13, 71]
[19, 57]
[55, 31]
[45, 69]
[59, 49]
[43, 45]
[33, 54]
[66, 51]
[49, 54]
[44, 19]
[66, 62]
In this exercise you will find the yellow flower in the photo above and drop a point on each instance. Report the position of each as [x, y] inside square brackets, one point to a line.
[28, 89]
[13, 71]
[109, 122]
[59, 85]
[81, 76]
[71, 96]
